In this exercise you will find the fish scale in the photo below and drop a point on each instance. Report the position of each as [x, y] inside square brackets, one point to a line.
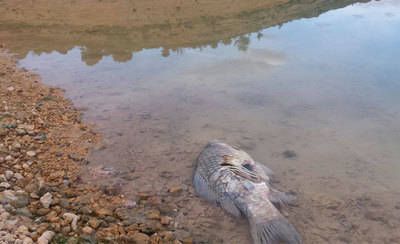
[231, 179]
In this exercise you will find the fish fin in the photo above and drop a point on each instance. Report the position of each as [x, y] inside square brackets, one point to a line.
[277, 230]
[281, 199]
[202, 188]
[228, 205]
[265, 169]
[263, 172]
[267, 225]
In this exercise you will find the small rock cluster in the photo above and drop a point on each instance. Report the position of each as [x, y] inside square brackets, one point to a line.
[42, 199]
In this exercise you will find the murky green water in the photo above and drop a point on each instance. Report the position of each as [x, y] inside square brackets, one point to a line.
[325, 87]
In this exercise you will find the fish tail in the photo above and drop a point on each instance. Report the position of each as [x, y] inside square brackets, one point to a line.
[277, 230]
[272, 227]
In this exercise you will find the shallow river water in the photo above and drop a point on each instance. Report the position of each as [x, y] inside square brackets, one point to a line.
[310, 88]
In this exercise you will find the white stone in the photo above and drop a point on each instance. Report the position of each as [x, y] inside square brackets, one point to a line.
[18, 176]
[3, 178]
[8, 174]
[17, 145]
[46, 200]
[46, 237]
[73, 219]
[4, 185]
[31, 153]
[27, 240]
[22, 229]
[4, 215]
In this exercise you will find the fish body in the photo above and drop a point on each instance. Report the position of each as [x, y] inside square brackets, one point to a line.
[230, 178]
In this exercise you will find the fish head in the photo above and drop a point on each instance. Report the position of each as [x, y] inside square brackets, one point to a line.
[236, 160]
[232, 155]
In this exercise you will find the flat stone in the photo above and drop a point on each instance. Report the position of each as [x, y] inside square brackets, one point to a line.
[18, 176]
[46, 200]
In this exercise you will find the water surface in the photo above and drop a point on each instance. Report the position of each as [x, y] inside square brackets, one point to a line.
[320, 79]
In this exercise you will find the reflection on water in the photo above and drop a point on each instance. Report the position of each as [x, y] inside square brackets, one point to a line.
[315, 99]
[37, 27]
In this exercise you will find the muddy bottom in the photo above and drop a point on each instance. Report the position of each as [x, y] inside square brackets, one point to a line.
[314, 99]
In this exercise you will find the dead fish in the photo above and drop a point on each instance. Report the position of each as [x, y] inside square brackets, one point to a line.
[230, 178]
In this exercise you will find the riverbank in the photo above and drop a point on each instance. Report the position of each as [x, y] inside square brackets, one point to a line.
[43, 146]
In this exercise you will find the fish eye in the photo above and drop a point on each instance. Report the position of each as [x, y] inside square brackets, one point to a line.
[248, 166]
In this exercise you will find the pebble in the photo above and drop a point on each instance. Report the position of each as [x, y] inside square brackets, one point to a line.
[4, 185]
[87, 230]
[23, 212]
[73, 219]
[10, 88]
[27, 240]
[140, 238]
[130, 204]
[165, 220]
[46, 200]
[46, 237]
[22, 229]
[153, 214]
[18, 176]
[8, 174]
[94, 223]
[175, 189]
[31, 153]
[102, 212]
